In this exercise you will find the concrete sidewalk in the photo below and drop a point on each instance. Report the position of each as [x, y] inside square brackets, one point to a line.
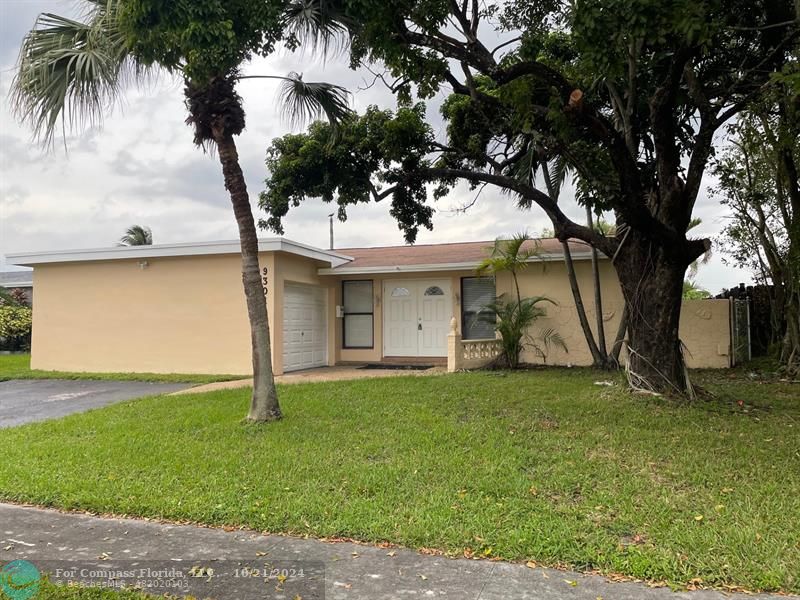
[338, 373]
[213, 563]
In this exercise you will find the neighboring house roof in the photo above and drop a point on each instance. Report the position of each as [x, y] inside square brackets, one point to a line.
[417, 258]
[442, 257]
[16, 279]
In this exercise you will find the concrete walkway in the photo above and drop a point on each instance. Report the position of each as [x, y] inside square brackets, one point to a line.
[340, 373]
[213, 563]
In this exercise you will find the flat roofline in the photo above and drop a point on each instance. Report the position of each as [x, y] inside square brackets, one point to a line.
[426, 268]
[489, 243]
[16, 284]
[279, 244]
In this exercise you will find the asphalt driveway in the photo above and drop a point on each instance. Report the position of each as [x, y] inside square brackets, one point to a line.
[25, 401]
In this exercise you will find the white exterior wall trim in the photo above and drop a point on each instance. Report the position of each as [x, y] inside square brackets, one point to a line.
[170, 250]
[423, 268]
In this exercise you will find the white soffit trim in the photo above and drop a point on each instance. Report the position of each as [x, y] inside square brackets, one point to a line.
[426, 268]
[28, 259]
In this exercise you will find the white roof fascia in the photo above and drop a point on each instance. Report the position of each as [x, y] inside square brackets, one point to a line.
[331, 256]
[426, 268]
[172, 250]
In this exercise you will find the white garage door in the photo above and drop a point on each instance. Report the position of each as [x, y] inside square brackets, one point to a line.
[305, 332]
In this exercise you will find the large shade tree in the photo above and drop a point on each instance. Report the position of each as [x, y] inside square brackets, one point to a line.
[71, 73]
[758, 180]
[644, 85]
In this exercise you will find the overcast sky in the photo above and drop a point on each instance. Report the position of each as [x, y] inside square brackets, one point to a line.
[142, 168]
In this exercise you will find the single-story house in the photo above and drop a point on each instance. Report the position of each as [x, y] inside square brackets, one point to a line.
[180, 307]
[18, 280]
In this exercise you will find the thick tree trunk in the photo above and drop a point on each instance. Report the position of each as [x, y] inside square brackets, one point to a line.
[652, 282]
[264, 403]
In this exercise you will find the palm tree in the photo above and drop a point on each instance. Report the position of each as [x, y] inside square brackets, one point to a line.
[510, 255]
[71, 72]
[514, 319]
[137, 235]
[555, 172]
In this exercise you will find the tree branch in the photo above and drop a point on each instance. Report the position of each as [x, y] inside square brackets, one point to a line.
[564, 227]
[378, 196]
[665, 133]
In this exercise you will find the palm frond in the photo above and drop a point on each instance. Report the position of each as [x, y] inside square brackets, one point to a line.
[559, 169]
[513, 320]
[137, 235]
[71, 71]
[510, 254]
[304, 101]
[525, 170]
[511, 247]
[546, 339]
[317, 24]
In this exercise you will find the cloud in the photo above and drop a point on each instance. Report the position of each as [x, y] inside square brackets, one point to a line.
[14, 151]
[16, 18]
[13, 194]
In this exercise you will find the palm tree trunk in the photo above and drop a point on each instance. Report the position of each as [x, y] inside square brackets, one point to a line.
[597, 359]
[621, 331]
[264, 403]
[598, 294]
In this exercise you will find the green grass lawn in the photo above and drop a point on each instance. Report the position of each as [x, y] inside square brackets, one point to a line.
[539, 465]
[49, 591]
[18, 366]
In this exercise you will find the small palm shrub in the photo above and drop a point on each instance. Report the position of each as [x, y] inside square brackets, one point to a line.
[513, 320]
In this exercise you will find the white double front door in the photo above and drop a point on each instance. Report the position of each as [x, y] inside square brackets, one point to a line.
[416, 317]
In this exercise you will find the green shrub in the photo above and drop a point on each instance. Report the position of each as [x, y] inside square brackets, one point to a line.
[15, 326]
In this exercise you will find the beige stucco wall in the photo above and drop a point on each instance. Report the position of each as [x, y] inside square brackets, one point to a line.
[549, 279]
[180, 315]
[188, 314]
[706, 333]
[177, 315]
[704, 328]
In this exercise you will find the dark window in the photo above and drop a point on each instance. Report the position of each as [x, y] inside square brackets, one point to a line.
[477, 321]
[434, 290]
[357, 322]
